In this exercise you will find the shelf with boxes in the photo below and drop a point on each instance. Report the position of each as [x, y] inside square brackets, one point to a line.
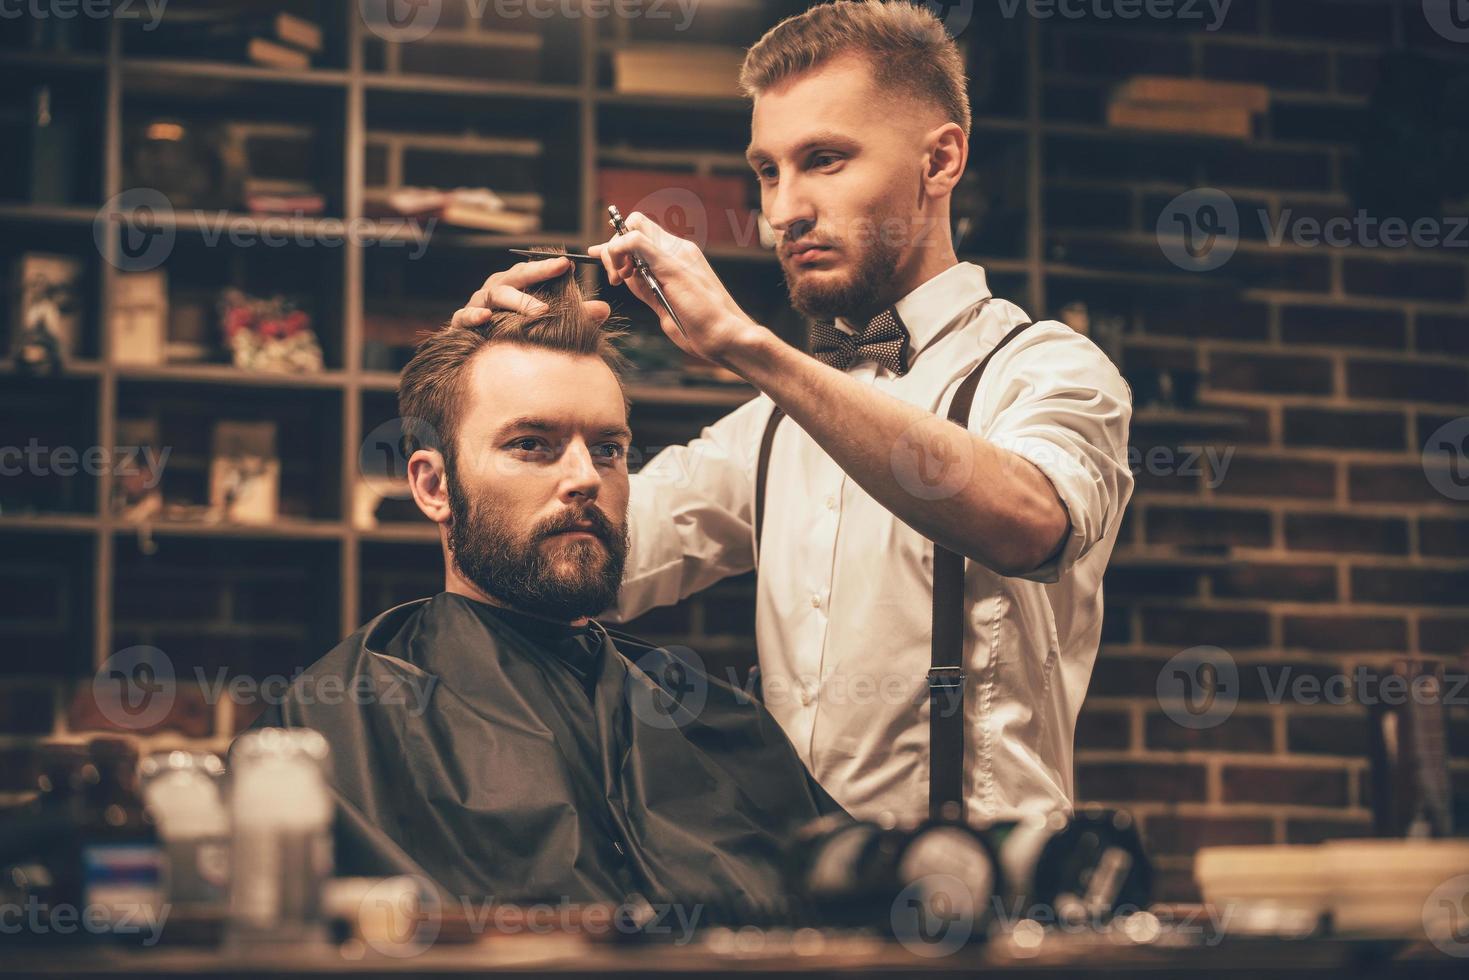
[535, 111]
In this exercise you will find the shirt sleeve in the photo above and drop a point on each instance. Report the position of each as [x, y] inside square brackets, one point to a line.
[691, 513]
[1064, 407]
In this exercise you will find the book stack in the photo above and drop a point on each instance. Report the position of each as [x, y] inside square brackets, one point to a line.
[1192, 106]
[466, 207]
[274, 39]
[681, 69]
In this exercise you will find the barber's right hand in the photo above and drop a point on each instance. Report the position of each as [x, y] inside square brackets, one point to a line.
[502, 291]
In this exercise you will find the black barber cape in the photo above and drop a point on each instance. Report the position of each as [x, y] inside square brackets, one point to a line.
[512, 759]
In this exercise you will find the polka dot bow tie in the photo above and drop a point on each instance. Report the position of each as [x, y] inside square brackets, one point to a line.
[884, 340]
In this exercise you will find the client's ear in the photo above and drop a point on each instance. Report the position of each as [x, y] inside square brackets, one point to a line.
[429, 483]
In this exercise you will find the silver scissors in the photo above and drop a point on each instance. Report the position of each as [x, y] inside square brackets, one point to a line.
[621, 227]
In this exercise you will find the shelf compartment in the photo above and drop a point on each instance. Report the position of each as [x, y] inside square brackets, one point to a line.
[48, 584]
[393, 572]
[50, 124]
[308, 438]
[226, 607]
[51, 459]
[525, 148]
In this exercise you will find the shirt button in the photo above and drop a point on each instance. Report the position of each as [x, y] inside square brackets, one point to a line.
[815, 601]
[831, 503]
[807, 697]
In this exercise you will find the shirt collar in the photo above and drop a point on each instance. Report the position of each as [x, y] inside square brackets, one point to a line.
[930, 308]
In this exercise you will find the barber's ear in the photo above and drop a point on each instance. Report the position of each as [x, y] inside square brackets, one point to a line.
[430, 484]
[947, 156]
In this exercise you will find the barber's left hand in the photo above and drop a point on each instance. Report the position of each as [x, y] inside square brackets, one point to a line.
[714, 321]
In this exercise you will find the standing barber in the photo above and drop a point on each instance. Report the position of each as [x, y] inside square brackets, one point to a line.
[908, 565]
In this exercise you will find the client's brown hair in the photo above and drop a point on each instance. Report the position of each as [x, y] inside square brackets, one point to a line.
[431, 390]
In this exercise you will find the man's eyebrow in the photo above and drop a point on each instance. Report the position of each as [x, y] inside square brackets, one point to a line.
[617, 431]
[753, 152]
[529, 422]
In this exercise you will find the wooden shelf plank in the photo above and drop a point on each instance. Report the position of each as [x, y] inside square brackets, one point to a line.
[423, 532]
[50, 523]
[55, 60]
[229, 71]
[59, 214]
[294, 529]
[442, 85]
[224, 374]
[73, 368]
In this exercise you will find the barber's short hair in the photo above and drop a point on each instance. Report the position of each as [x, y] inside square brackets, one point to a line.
[431, 389]
[910, 51]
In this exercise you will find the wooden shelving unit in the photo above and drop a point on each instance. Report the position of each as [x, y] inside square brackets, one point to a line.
[360, 90]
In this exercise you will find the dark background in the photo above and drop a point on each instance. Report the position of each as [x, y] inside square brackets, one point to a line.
[1321, 371]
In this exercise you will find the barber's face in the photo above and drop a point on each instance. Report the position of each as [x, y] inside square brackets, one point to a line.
[538, 486]
[839, 166]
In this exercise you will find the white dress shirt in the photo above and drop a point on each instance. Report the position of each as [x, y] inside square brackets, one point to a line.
[844, 601]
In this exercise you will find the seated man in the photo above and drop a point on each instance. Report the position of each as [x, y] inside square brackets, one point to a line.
[550, 758]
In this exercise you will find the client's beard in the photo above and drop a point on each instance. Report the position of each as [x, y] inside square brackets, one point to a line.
[867, 290]
[515, 570]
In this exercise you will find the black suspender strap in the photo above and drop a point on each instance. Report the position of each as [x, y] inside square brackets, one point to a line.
[946, 671]
[762, 470]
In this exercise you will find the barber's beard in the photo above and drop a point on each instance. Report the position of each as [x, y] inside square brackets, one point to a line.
[866, 287]
[565, 580]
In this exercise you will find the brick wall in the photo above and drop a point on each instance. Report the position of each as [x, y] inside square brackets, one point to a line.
[1320, 544]
[1314, 543]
